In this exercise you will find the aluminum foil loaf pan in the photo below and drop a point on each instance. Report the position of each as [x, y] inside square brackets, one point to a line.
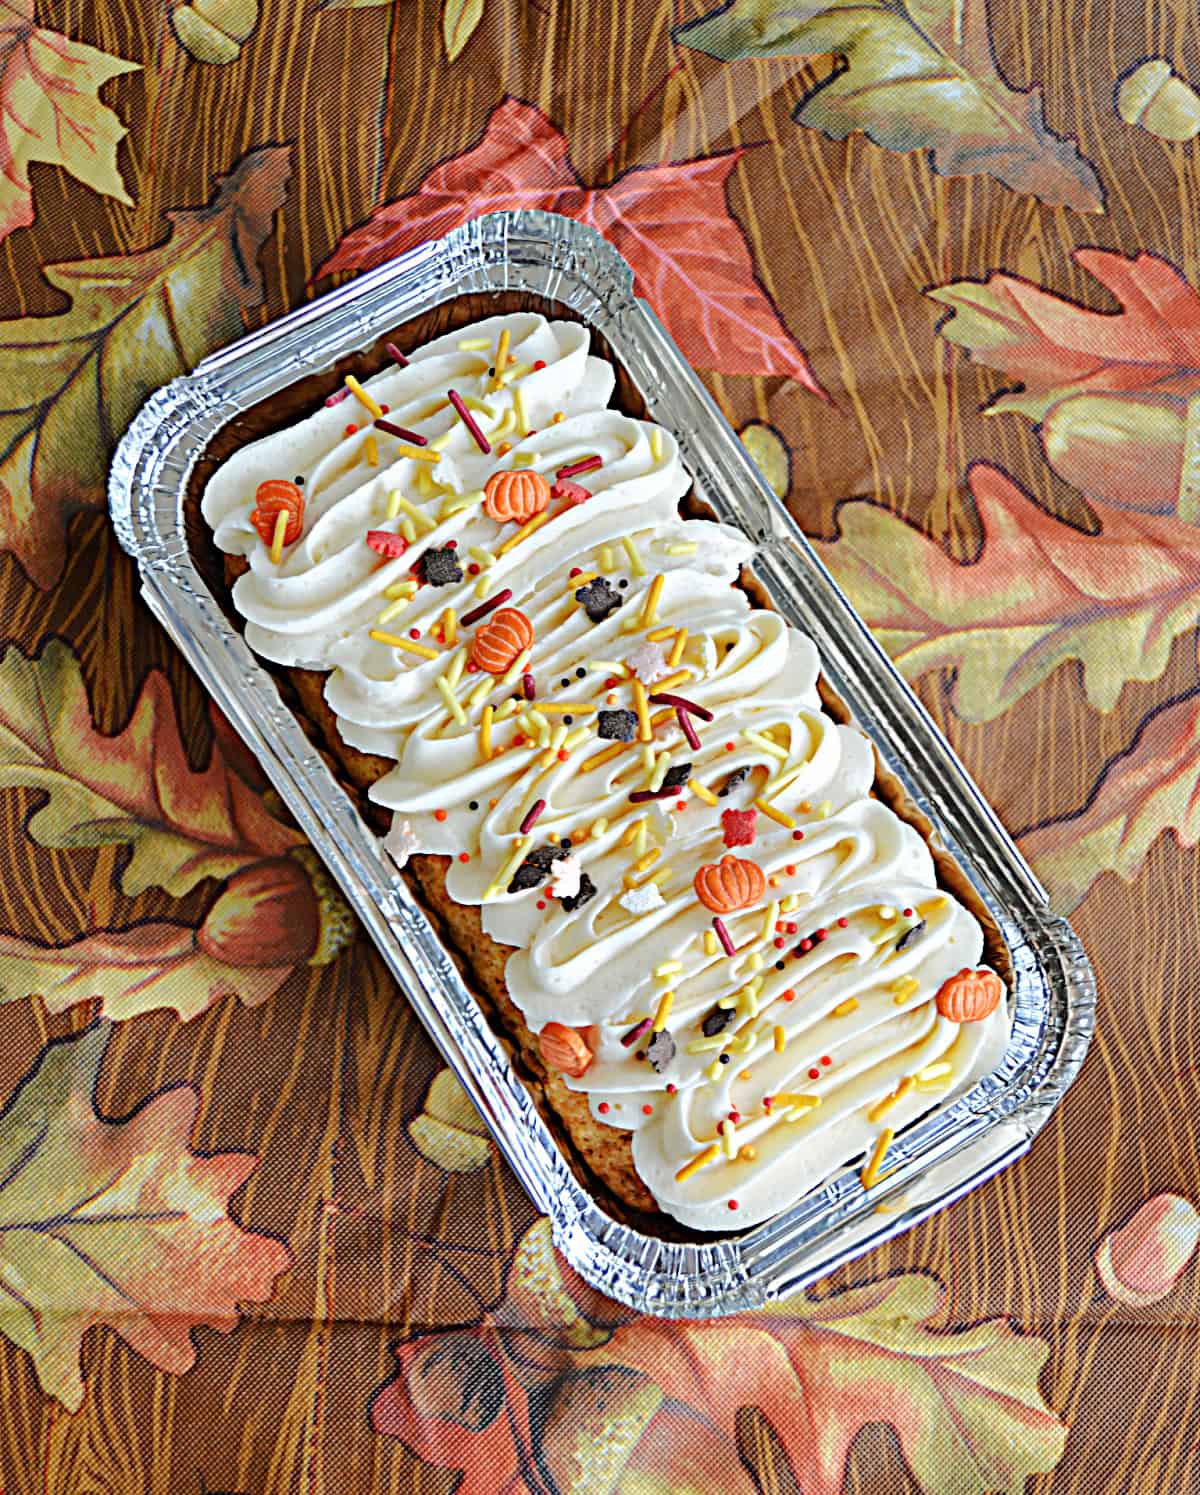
[540, 259]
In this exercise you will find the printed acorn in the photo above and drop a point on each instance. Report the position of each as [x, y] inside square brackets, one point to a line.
[1156, 98]
[1140, 1262]
[282, 911]
[214, 30]
[1122, 450]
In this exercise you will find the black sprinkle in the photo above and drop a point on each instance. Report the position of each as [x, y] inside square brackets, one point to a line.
[911, 936]
[618, 726]
[491, 373]
[568, 721]
[717, 1021]
[641, 1055]
[661, 1050]
[623, 583]
[735, 778]
[724, 1058]
[587, 890]
[298, 480]
[677, 776]
[581, 673]
[564, 683]
[599, 599]
[535, 868]
[474, 805]
[779, 965]
[440, 568]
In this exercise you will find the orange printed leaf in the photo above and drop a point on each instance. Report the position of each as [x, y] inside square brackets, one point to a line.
[73, 382]
[117, 1222]
[135, 788]
[1056, 348]
[538, 1386]
[50, 111]
[1040, 593]
[1151, 787]
[672, 223]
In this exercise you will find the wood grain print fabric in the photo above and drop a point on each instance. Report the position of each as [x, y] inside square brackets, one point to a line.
[939, 262]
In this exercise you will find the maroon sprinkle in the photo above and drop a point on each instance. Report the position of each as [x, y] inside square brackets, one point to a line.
[723, 935]
[485, 607]
[640, 796]
[337, 397]
[681, 703]
[529, 686]
[635, 1033]
[404, 434]
[532, 818]
[573, 469]
[394, 353]
[469, 421]
[687, 729]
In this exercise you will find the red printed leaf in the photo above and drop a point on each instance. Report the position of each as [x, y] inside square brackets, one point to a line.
[672, 223]
[1151, 787]
[135, 788]
[1040, 593]
[116, 1223]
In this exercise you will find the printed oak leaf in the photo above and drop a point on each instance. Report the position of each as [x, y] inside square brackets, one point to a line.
[460, 18]
[116, 1222]
[523, 1402]
[50, 111]
[916, 74]
[1040, 593]
[1151, 787]
[71, 383]
[135, 788]
[672, 223]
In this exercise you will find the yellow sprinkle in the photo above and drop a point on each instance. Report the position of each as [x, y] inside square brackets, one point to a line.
[371, 449]
[400, 589]
[455, 668]
[409, 530]
[421, 520]
[779, 1037]
[728, 1144]
[364, 399]
[702, 1159]
[770, 914]
[790, 904]
[480, 693]
[844, 1009]
[519, 408]
[505, 710]
[607, 667]
[880, 1108]
[601, 758]
[715, 1070]
[485, 732]
[656, 443]
[394, 610]
[393, 504]
[402, 643]
[511, 375]
[504, 876]
[665, 1003]
[540, 724]
[451, 701]
[650, 606]
[648, 755]
[660, 634]
[277, 534]
[904, 989]
[478, 553]
[580, 734]
[747, 1153]
[791, 1098]
[475, 345]
[457, 502]
[870, 1173]
[522, 459]
[418, 453]
[682, 547]
[642, 706]
[478, 406]
[780, 817]
[765, 744]
[662, 763]
[640, 836]
[482, 587]
[449, 628]
[710, 942]
[524, 532]
[440, 443]
[557, 738]
[934, 1071]
[575, 582]
[886, 913]
[598, 827]
[647, 861]
[678, 678]
[501, 357]
[517, 668]
[701, 792]
[801, 1106]
[662, 876]
[825, 808]
[667, 968]
[607, 559]
[635, 559]
[678, 647]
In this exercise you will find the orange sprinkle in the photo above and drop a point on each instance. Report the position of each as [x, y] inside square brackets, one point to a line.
[439, 814]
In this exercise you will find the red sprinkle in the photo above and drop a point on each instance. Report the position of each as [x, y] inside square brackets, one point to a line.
[469, 421]
[635, 1033]
[563, 755]
[789, 995]
[647, 1110]
[681, 804]
[826, 1060]
[529, 686]
[778, 944]
[806, 944]
[681, 703]
[733, 1204]
[729, 747]
[395, 354]
[493, 602]
[573, 469]
[611, 683]
[672, 1088]
[464, 856]
[539, 365]
[821, 934]
[384, 542]
[575, 571]
[472, 667]
[790, 869]
[641, 796]
[337, 397]
[843, 923]
[385, 409]
[351, 430]
[439, 814]
[723, 935]
[603, 1108]
[907, 912]
[402, 432]
[541, 903]
[768, 1101]
[814, 1074]
[531, 818]
[473, 569]
[414, 633]
[686, 728]
[797, 835]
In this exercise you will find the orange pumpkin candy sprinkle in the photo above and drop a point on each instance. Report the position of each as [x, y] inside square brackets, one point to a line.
[272, 498]
[517, 495]
[501, 640]
[969, 996]
[729, 884]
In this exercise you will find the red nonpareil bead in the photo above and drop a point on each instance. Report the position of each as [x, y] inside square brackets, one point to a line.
[414, 633]
[729, 747]
[473, 569]
[789, 995]
[539, 365]
[439, 814]
[778, 943]
[814, 1074]
[647, 1110]
[826, 1060]
[603, 1108]
[843, 923]
[351, 430]
[464, 856]
[797, 835]
[575, 571]
[735, 1117]
[672, 1088]
[541, 903]
[733, 1204]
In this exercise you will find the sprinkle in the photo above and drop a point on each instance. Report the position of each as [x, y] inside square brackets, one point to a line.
[485, 735]
[723, 935]
[677, 648]
[645, 733]
[529, 686]
[455, 668]
[904, 989]
[660, 634]
[605, 756]
[522, 422]
[416, 454]
[770, 914]
[504, 876]
[778, 816]
[532, 816]
[395, 354]
[402, 643]
[779, 1037]
[882, 1107]
[702, 1159]
[573, 469]
[789, 1098]
[501, 357]
[699, 790]
[449, 628]
[474, 345]
[455, 504]
[479, 407]
[277, 534]
[886, 913]
[630, 1038]
[364, 399]
[650, 606]
[517, 668]
[765, 744]
[681, 703]
[524, 532]
[513, 373]
[844, 1009]
[493, 602]
[870, 1173]
[643, 796]
[371, 451]
[683, 547]
[393, 504]
[825, 808]
[665, 1003]
[337, 398]
[678, 678]
[934, 1071]
[451, 701]
[409, 530]
[468, 420]
[402, 433]
[395, 609]
[728, 1144]
[635, 560]
[710, 942]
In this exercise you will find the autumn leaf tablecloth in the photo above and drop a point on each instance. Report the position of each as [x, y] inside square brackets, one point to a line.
[938, 261]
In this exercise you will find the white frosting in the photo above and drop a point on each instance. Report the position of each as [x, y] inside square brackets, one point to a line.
[852, 1020]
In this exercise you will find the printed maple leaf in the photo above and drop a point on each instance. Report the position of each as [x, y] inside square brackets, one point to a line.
[132, 971]
[1056, 348]
[917, 74]
[50, 111]
[537, 1396]
[135, 788]
[1152, 786]
[71, 383]
[116, 1223]
[459, 19]
[672, 223]
[1040, 593]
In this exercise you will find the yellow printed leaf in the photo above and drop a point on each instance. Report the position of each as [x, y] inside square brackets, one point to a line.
[459, 20]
